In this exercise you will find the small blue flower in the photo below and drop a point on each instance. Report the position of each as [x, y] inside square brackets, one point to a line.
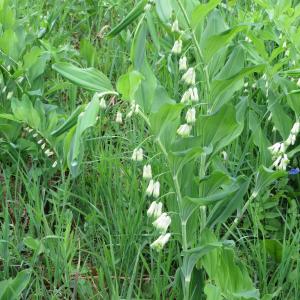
[294, 171]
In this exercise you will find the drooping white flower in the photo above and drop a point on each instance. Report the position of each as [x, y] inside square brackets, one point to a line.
[277, 148]
[162, 223]
[155, 210]
[43, 146]
[287, 53]
[137, 154]
[49, 153]
[40, 142]
[296, 128]
[281, 162]
[189, 77]
[54, 164]
[175, 26]
[183, 63]
[248, 40]
[191, 116]
[147, 7]
[159, 244]
[147, 172]
[284, 45]
[177, 48]
[298, 82]
[9, 95]
[291, 140]
[156, 189]
[225, 155]
[186, 96]
[119, 118]
[150, 188]
[194, 94]
[184, 130]
[102, 104]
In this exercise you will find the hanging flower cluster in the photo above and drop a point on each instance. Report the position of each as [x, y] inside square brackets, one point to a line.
[191, 95]
[43, 143]
[161, 220]
[278, 150]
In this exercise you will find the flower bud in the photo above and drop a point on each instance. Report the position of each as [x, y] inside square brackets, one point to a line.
[137, 154]
[194, 94]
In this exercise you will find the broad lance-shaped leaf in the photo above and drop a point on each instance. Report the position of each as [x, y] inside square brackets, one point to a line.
[221, 128]
[128, 84]
[165, 122]
[25, 112]
[12, 288]
[86, 119]
[202, 10]
[223, 90]
[266, 177]
[216, 42]
[69, 123]
[192, 256]
[134, 14]
[223, 210]
[90, 78]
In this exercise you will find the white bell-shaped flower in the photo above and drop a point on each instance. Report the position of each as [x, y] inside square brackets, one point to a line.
[162, 223]
[155, 210]
[184, 130]
[156, 189]
[150, 188]
[159, 244]
[191, 116]
[183, 63]
[175, 26]
[119, 118]
[177, 48]
[102, 104]
[147, 172]
[189, 77]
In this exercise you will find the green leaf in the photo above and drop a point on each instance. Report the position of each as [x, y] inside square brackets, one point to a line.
[128, 84]
[274, 249]
[165, 122]
[12, 288]
[134, 14]
[223, 210]
[223, 89]
[90, 79]
[216, 42]
[164, 10]
[25, 112]
[34, 244]
[86, 119]
[212, 292]
[202, 10]
[69, 123]
[265, 177]
[217, 129]
[138, 48]
[192, 256]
